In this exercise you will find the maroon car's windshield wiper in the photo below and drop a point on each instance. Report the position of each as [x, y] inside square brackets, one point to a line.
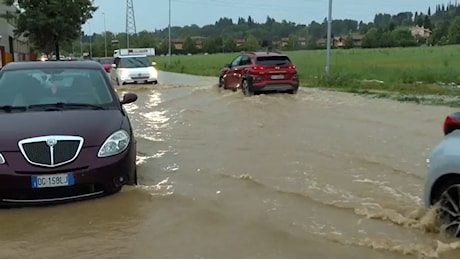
[62, 105]
[9, 109]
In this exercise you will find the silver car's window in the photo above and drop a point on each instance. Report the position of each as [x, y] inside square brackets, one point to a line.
[49, 86]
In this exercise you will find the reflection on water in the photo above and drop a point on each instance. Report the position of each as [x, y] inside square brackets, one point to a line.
[155, 120]
[89, 229]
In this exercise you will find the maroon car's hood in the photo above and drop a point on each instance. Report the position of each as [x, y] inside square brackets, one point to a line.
[93, 125]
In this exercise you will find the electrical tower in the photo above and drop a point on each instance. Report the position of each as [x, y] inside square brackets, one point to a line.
[130, 21]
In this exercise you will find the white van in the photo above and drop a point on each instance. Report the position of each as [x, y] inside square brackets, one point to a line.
[133, 69]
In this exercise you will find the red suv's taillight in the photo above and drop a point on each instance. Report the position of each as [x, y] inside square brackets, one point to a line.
[258, 67]
[451, 123]
[291, 67]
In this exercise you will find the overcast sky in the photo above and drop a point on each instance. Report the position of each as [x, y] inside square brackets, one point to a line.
[154, 14]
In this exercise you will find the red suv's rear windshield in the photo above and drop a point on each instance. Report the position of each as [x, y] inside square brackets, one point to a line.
[273, 60]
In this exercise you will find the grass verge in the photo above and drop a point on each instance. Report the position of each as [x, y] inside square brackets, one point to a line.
[427, 75]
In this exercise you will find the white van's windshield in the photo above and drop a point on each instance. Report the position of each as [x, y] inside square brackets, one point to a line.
[134, 62]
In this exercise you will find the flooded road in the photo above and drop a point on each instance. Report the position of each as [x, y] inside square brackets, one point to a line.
[315, 175]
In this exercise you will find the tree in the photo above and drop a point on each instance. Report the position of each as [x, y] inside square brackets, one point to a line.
[403, 37]
[349, 43]
[441, 30]
[252, 44]
[213, 44]
[420, 20]
[454, 31]
[48, 24]
[229, 45]
[427, 23]
[189, 46]
[371, 40]
[293, 41]
[145, 39]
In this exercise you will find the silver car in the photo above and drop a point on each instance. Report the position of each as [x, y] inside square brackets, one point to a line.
[133, 69]
[442, 183]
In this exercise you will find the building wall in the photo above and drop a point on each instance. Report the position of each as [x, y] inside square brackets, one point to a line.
[14, 49]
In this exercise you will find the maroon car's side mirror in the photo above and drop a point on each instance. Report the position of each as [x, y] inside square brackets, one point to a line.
[128, 98]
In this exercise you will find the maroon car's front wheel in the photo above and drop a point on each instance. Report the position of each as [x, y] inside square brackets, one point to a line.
[133, 179]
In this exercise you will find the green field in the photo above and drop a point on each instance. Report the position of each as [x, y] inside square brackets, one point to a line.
[414, 74]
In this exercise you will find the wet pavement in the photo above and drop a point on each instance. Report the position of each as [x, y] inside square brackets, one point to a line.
[313, 175]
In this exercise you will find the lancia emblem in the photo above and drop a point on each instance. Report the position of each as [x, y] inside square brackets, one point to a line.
[277, 67]
[51, 142]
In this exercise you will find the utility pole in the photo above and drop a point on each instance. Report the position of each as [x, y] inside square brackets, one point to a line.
[105, 36]
[90, 42]
[81, 44]
[169, 35]
[130, 21]
[329, 36]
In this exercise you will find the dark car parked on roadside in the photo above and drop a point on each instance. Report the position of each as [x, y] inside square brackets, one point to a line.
[256, 72]
[64, 135]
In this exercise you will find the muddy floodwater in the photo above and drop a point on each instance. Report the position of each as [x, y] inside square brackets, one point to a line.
[318, 174]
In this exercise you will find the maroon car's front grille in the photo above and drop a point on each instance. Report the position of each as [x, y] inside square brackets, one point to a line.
[50, 151]
[65, 150]
[38, 152]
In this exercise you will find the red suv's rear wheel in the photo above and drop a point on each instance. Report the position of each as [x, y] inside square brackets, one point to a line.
[246, 90]
[221, 82]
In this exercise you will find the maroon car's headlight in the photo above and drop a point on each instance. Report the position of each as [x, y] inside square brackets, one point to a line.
[116, 143]
[2, 159]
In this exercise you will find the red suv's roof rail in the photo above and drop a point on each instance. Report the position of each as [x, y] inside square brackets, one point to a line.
[261, 53]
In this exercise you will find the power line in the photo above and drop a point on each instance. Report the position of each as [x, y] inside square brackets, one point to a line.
[244, 4]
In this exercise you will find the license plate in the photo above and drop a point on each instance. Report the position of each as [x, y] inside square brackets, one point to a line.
[52, 180]
[277, 76]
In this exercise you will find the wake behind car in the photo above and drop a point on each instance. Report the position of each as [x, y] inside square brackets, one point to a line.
[256, 72]
[132, 67]
[442, 182]
[65, 134]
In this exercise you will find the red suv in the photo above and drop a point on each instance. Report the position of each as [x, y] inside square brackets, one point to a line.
[256, 72]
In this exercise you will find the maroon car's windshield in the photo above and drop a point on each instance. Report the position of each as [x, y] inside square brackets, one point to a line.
[51, 86]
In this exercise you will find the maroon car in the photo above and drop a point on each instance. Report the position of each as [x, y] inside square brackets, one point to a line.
[256, 72]
[65, 134]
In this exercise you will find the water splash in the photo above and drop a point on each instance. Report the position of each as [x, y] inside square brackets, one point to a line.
[162, 188]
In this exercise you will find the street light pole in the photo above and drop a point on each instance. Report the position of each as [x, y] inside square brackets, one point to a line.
[329, 36]
[81, 44]
[169, 35]
[105, 36]
[90, 41]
